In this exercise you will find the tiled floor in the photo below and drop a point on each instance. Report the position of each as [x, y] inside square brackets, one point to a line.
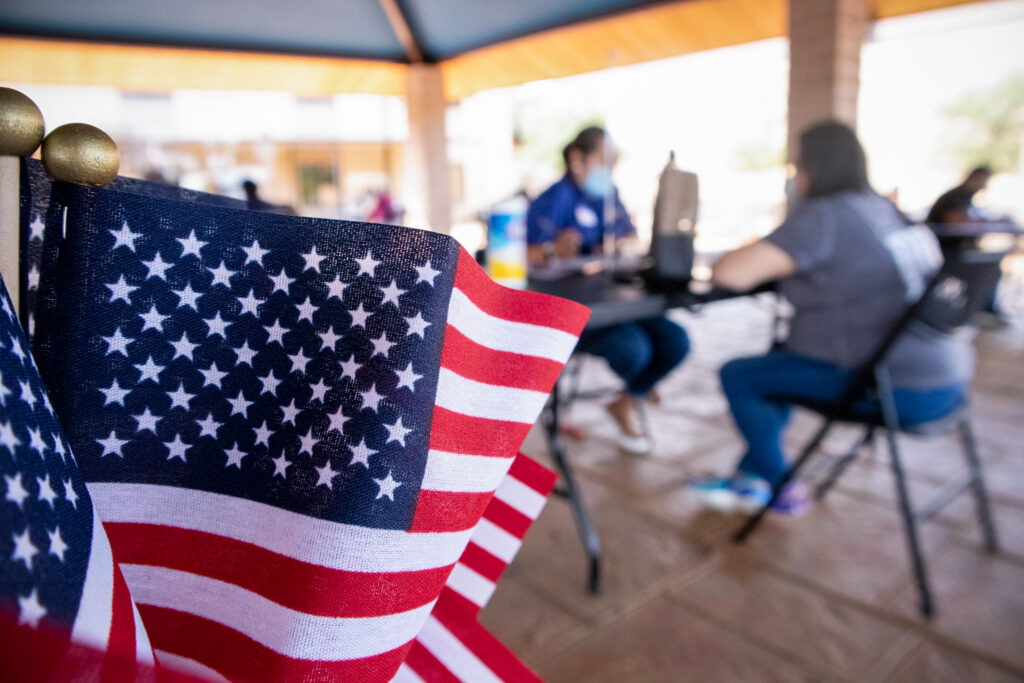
[825, 597]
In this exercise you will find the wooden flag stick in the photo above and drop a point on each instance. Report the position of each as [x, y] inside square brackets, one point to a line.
[21, 131]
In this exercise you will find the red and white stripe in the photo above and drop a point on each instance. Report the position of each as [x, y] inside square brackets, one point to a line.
[452, 645]
[250, 591]
[503, 351]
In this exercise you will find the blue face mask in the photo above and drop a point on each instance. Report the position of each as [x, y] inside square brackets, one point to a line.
[598, 182]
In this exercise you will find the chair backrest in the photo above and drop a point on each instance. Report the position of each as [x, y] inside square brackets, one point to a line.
[959, 290]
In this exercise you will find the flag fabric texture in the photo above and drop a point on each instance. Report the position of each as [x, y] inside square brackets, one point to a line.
[63, 601]
[291, 428]
[452, 645]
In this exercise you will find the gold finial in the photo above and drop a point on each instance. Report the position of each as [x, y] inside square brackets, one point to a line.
[21, 124]
[80, 153]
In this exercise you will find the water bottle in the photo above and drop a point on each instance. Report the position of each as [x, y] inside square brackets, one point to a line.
[506, 242]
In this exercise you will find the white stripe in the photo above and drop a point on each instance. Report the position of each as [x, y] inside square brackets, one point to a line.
[283, 630]
[307, 539]
[476, 399]
[496, 540]
[406, 675]
[521, 497]
[453, 654]
[463, 473]
[95, 610]
[188, 666]
[504, 335]
[143, 648]
[471, 585]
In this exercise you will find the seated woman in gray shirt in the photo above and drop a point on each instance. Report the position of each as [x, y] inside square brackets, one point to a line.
[850, 264]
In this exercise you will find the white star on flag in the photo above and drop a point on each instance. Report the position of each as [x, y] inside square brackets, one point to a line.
[361, 454]
[147, 421]
[336, 288]
[426, 274]
[208, 426]
[407, 378]
[117, 343]
[417, 325]
[391, 294]
[57, 544]
[367, 264]
[281, 281]
[249, 304]
[183, 347]
[386, 487]
[191, 245]
[254, 253]
[176, 448]
[149, 370]
[120, 290]
[212, 376]
[114, 393]
[187, 297]
[112, 445]
[125, 237]
[16, 492]
[30, 610]
[397, 432]
[313, 260]
[381, 345]
[221, 276]
[326, 474]
[46, 491]
[216, 324]
[157, 267]
[234, 457]
[152, 320]
[359, 316]
[180, 397]
[275, 333]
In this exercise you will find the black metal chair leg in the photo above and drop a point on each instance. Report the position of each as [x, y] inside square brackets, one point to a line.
[588, 535]
[891, 419]
[978, 485]
[844, 461]
[790, 474]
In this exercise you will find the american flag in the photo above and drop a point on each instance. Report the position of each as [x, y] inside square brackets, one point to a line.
[452, 645]
[291, 427]
[59, 586]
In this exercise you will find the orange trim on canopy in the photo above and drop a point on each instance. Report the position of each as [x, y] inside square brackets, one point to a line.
[157, 69]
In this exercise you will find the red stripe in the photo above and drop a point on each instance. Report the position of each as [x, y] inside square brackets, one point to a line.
[503, 368]
[508, 518]
[427, 666]
[533, 474]
[481, 643]
[301, 586]
[516, 305]
[440, 511]
[482, 562]
[457, 433]
[119, 665]
[239, 657]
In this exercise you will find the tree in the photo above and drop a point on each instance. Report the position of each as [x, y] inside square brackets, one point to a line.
[992, 122]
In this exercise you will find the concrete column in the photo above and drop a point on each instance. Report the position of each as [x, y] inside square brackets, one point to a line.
[427, 193]
[825, 38]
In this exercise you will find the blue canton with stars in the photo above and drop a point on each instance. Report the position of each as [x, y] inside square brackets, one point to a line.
[286, 360]
[45, 513]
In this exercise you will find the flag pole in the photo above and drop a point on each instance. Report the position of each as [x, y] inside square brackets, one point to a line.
[21, 131]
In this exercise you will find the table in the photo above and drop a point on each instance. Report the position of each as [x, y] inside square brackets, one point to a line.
[611, 302]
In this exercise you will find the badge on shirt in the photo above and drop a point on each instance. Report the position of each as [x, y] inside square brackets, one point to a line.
[585, 216]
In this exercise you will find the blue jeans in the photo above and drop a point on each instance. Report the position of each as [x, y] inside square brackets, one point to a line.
[751, 383]
[641, 353]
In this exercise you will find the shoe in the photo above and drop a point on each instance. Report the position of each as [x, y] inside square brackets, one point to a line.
[637, 445]
[632, 437]
[795, 501]
[742, 493]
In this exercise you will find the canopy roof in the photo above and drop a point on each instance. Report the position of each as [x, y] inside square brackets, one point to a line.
[329, 46]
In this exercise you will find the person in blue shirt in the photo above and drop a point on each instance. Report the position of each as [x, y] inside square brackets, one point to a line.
[573, 217]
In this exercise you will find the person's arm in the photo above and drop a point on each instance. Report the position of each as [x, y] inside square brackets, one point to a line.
[747, 267]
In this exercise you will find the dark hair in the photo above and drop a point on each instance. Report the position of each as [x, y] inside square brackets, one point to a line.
[586, 141]
[833, 159]
[249, 187]
[978, 171]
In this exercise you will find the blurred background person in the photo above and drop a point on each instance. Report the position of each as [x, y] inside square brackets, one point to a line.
[850, 264]
[573, 217]
[957, 205]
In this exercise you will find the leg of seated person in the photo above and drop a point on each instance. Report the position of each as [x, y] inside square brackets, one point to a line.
[669, 346]
[627, 348]
[750, 384]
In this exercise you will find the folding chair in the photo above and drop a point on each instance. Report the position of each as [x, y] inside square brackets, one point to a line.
[953, 296]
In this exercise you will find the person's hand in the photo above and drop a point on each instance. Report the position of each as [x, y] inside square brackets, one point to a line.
[567, 244]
